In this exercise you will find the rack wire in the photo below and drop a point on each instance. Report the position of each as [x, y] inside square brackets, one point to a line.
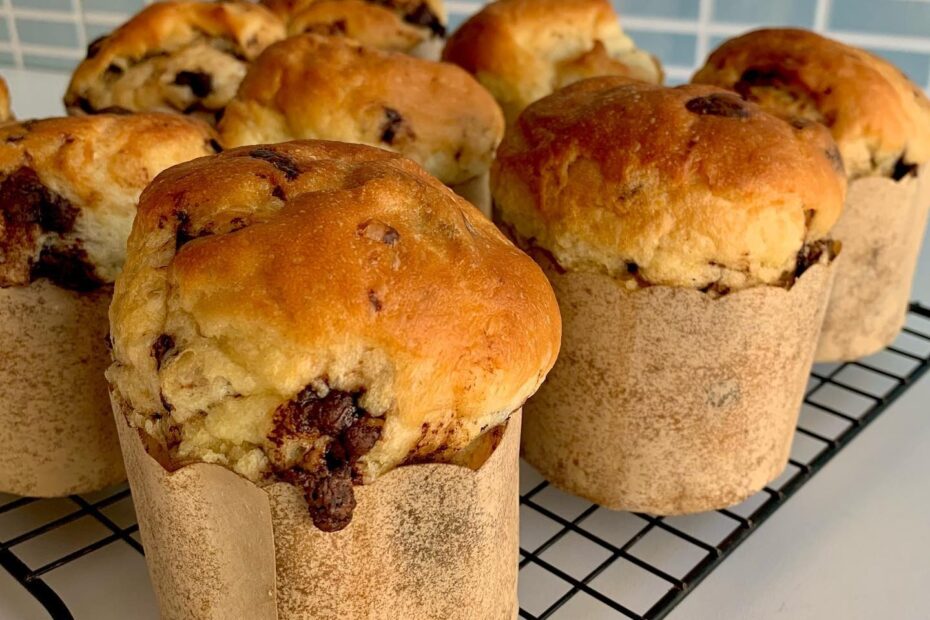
[576, 559]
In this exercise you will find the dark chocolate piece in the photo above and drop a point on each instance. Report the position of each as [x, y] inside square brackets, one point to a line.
[279, 161]
[160, 348]
[392, 124]
[903, 169]
[200, 83]
[718, 104]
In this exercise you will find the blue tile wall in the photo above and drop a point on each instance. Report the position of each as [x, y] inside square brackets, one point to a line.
[673, 49]
[895, 17]
[52, 5]
[40, 61]
[679, 32]
[774, 13]
[50, 33]
[676, 9]
[111, 6]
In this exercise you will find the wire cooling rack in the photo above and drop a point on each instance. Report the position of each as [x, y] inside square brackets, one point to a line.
[576, 560]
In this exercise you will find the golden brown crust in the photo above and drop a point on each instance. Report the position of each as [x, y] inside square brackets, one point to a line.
[523, 50]
[311, 86]
[6, 114]
[688, 186]
[428, 17]
[878, 117]
[266, 272]
[174, 56]
[369, 24]
[69, 186]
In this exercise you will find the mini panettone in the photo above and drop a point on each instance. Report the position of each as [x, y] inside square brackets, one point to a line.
[6, 114]
[523, 50]
[69, 188]
[685, 234]
[370, 24]
[174, 56]
[878, 117]
[320, 313]
[714, 194]
[68, 192]
[312, 86]
[426, 18]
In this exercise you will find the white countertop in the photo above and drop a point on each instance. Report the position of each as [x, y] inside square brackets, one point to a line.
[853, 543]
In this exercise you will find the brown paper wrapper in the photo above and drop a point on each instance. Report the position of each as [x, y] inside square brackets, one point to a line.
[56, 431]
[666, 401]
[882, 229]
[476, 191]
[426, 541]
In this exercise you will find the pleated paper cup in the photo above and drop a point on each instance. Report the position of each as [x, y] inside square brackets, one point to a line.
[426, 541]
[666, 401]
[56, 430]
[882, 229]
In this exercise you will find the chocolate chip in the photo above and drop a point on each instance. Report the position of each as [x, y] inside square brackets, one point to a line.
[24, 191]
[200, 83]
[236, 223]
[160, 348]
[84, 104]
[374, 301]
[309, 414]
[93, 48]
[632, 268]
[27, 209]
[68, 267]
[718, 104]
[836, 160]
[392, 124]
[183, 234]
[761, 76]
[332, 501]
[422, 15]
[810, 254]
[903, 169]
[279, 161]
[360, 438]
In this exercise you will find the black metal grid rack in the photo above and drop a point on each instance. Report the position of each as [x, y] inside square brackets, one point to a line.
[576, 559]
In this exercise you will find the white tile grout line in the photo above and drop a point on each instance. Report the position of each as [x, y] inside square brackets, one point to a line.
[821, 15]
[705, 9]
[105, 19]
[77, 6]
[41, 50]
[15, 47]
